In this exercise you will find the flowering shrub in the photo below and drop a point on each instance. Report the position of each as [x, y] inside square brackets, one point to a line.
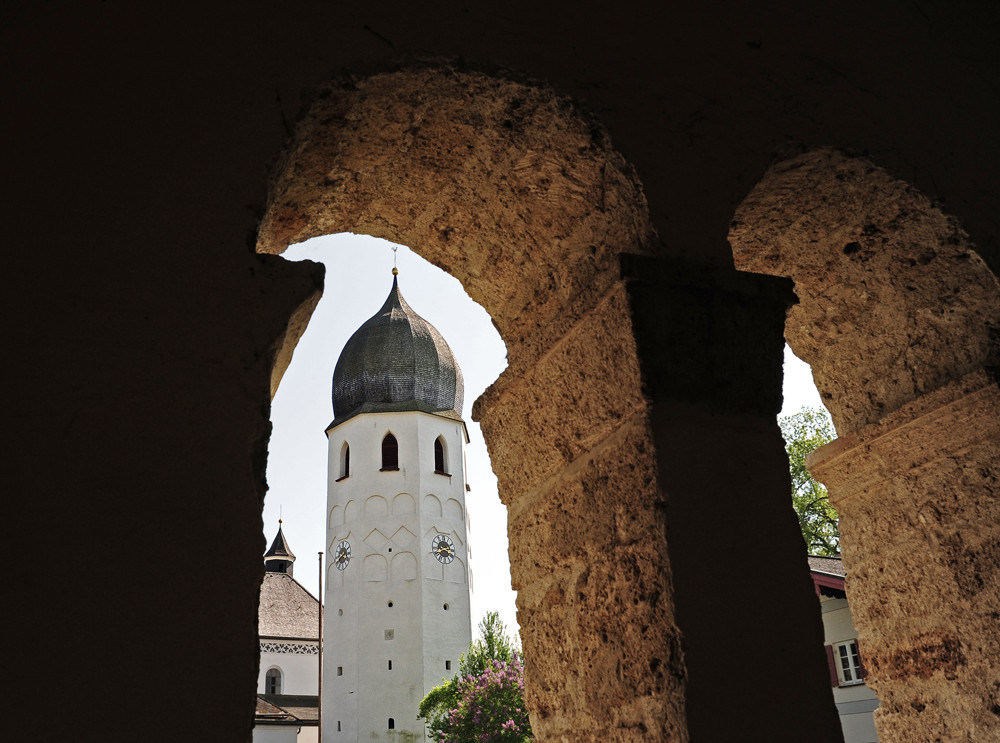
[490, 707]
[484, 702]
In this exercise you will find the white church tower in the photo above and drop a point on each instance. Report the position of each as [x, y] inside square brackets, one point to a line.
[397, 605]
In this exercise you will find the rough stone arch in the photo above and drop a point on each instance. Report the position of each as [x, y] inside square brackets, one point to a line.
[502, 183]
[519, 195]
[900, 320]
[894, 302]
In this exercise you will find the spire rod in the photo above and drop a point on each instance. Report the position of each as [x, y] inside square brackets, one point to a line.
[395, 271]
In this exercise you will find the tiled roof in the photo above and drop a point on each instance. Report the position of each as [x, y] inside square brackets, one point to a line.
[286, 609]
[286, 709]
[830, 565]
[267, 712]
[396, 361]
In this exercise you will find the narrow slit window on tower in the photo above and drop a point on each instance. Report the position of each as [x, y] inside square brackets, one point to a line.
[390, 453]
[345, 462]
[392, 724]
[390, 665]
[340, 670]
[440, 465]
[338, 726]
[447, 665]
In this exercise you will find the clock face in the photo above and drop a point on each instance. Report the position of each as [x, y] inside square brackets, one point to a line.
[443, 548]
[343, 555]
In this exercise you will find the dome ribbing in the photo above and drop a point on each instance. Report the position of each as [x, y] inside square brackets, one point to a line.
[396, 361]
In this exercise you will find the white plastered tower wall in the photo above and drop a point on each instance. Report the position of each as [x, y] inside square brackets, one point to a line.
[394, 601]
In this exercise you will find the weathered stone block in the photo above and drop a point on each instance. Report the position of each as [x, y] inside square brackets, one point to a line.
[919, 498]
[590, 565]
[570, 400]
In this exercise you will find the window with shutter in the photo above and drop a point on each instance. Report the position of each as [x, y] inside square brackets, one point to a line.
[831, 665]
[848, 663]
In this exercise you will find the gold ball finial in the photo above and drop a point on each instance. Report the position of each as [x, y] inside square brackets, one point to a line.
[395, 271]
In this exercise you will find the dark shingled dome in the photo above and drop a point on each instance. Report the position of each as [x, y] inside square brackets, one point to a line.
[396, 361]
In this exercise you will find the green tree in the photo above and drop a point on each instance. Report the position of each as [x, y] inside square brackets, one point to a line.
[803, 432]
[493, 644]
[485, 700]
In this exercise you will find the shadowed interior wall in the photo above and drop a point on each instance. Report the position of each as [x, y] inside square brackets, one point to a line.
[138, 144]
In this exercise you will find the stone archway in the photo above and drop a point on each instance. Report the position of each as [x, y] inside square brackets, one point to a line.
[900, 320]
[620, 368]
[501, 183]
[521, 197]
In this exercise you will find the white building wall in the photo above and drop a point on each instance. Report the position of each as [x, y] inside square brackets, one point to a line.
[299, 671]
[857, 702]
[390, 519]
[277, 734]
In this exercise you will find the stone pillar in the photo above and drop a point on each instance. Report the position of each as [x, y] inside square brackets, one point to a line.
[918, 494]
[649, 510]
[571, 443]
[711, 343]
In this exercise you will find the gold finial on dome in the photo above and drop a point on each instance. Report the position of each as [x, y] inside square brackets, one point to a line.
[395, 271]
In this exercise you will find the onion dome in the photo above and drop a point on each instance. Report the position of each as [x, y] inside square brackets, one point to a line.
[396, 361]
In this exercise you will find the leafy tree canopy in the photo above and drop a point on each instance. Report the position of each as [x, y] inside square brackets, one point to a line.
[493, 644]
[484, 703]
[803, 432]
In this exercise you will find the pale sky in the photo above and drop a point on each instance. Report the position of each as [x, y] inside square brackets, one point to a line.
[358, 278]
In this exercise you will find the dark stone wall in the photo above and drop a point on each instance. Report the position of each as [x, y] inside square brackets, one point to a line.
[137, 143]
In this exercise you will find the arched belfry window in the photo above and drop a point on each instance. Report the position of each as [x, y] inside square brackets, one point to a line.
[440, 460]
[272, 681]
[345, 461]
[390, 453]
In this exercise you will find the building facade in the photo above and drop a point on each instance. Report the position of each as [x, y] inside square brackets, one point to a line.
[856, 702]
[288, 626]
[398, 578]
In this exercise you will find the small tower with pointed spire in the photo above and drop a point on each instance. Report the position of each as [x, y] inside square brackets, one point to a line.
[288, 628]
[398, 581]
[279, 558]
